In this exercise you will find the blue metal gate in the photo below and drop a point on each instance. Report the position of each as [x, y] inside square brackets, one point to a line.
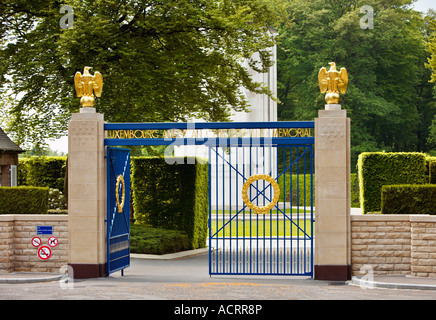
[261, 206]
[118, 209]
[260, 190]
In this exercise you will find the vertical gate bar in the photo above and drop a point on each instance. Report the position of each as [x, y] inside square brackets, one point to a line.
[108, 220]
[284, 204]
[224, 208]
[270, 215]
[251, 245]
[209, 222]
[237, 210]
[270, 196]
[216, 201]
[284, 194]
[311, 210]
[304, 210]
[298, 210]
[257, 215]
[291, 192]
[243, 211]
[230, 206]
[264, 196]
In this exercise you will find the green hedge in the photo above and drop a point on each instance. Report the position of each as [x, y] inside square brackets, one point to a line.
[23, 200]
[428, 164]
[42, 172]
[432, 173]
[174, 197]
[299, 185]
[148, 240]
[355, 203]
[409, 199]
[377, 169]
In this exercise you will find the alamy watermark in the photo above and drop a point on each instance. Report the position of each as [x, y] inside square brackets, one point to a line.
[367, 21]
[67, 20]
[193, 148]
[67, 279]
[367, 279]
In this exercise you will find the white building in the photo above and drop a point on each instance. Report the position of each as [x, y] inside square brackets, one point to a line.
[230, 167]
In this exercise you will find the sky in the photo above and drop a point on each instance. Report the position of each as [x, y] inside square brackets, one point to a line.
[424, 5]
[61, 145]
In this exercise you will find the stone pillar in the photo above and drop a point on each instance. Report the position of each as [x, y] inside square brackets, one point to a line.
[332, 195]
[87, 194]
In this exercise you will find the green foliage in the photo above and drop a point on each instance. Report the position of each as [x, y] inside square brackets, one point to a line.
[23, 200]
[42, 172]
[355, 193]
[300, 188]
[389, 98]
[161, 61]
[285, 183]
[377, 169]
[432, 173]
[431, 45]
[56, 200]
[428, 161]
[148, 240]
[408, 199]
[172, 196]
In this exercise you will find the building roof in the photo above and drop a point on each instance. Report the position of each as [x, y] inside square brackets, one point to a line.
[7, 144]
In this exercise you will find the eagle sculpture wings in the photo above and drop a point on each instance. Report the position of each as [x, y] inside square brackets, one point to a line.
[87, 85]
[332, 82]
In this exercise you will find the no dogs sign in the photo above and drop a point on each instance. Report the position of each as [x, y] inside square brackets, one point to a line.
[53, 241]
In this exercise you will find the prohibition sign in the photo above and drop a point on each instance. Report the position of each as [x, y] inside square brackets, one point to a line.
[36, 241]
[44, 253]
[53, 241]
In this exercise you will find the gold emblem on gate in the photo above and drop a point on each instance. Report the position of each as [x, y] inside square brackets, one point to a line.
[120, 206]
[247, 184]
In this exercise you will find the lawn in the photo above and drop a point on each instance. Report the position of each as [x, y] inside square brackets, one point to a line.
[260, 226]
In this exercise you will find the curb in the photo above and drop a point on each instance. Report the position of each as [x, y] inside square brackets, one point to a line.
[170, 256]
[23, 277]
[377, 284]
[29, 278]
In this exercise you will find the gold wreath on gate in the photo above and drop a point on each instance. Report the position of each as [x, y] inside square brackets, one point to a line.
[247, 185]
[120, 206]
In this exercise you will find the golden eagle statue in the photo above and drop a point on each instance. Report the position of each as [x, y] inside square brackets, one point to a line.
[87, 85]
[333, 82]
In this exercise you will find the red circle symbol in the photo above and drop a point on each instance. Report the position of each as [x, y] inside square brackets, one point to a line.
[36, 241]
[53, 241]
[44, 253]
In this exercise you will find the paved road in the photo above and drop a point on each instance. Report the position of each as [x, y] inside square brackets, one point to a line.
[188, 279]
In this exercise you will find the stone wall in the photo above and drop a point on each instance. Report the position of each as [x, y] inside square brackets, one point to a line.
[17, 254]
[390, 244]
[394, 244]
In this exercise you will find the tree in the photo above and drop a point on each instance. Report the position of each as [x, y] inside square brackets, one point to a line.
[389, 97]
[161, 61]
[431, 46]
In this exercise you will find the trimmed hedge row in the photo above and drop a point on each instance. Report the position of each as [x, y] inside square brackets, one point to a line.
[432, 172]
[174, 197]
[286, 190]
[42, 172]
[298, 188]
[428, 164]
[409, 199]
[23, 200]
[148, 240]
[377, 169]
